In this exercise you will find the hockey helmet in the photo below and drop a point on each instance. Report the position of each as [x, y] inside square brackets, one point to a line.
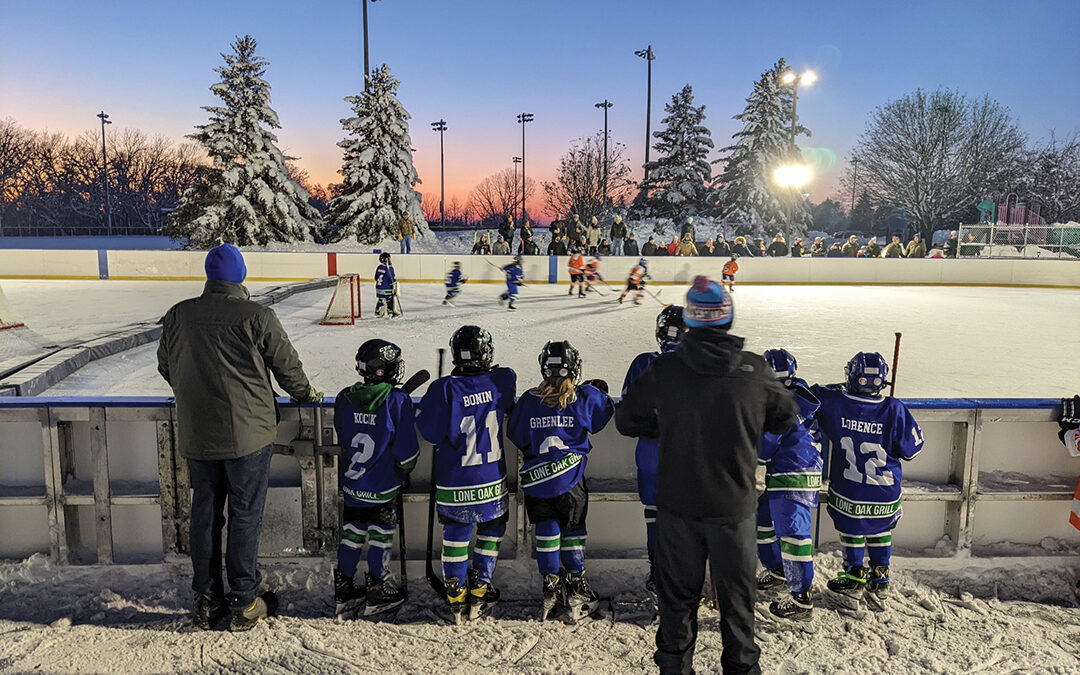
[384, 258]
[472, 349]
[517, 259]
[644, 262]
[457, 264]
[783, 365]
[866, 373]
[560, 359]
[670, 325]
[380, 361]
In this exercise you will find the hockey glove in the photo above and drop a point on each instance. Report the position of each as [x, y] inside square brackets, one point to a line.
[1070, 412]
[313, 395]
[599, 384]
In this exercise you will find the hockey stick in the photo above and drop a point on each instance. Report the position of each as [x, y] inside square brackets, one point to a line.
[436, 583]
[654, 297]
[410, 385]
[895, 363]
[400, 310]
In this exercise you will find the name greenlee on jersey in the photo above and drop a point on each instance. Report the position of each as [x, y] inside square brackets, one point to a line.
[551, 421]
[469, 400]
[859, 425]
[369, 419]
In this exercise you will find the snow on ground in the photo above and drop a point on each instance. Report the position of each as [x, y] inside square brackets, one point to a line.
[957, 342]
[132, 619]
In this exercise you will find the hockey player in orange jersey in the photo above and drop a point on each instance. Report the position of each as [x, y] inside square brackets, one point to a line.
[728, 274]
[636, 281]
[576, 267]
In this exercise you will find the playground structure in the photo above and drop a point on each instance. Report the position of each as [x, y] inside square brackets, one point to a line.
[1014, 229]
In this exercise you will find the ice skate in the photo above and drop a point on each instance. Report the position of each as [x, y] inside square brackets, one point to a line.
[455, 598]
[209, 611]
[581, 294]
[554, 597]
[770, 580]
[482, 596]
[382, 595]
[796, 607]
[571, 291]
[851, 582]
[510, 308]
[877, 588]
[348, 597]
[581, 600]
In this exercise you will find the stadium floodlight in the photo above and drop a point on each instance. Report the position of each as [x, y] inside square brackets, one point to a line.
[649, 57]
[605, 105]
[440, 126]
[793, 80]
[523, 119]
[105, 166]
[792, 177]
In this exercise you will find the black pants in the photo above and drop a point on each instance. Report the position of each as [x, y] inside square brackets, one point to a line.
[682, 547]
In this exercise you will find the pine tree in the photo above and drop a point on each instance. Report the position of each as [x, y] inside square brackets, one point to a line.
[378, 169]
[745, 190]
[677, 183]
[246, 196]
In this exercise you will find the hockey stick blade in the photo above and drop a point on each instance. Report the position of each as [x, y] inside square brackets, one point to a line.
[415, 382]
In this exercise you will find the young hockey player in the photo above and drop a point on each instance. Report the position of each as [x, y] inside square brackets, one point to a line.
[1070, 436]
[461, 414]
[870, 436]
[454, 281]
[551, 425]
[670, 328]
[376, 430]
[576, 267]
[636, 281]
[727, 274]
[592, 272]
[386, 287]
[514, 275]
[792, 482]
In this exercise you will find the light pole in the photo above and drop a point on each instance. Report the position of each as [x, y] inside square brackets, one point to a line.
[791, 79]
[605, 105]
[367, 64]
[105, 164]
[854, 179]
[440, 126]
[523, 119]
[648, 55]
[516, 161]
[792, 176]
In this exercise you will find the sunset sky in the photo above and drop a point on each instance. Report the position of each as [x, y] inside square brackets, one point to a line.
[477, 63]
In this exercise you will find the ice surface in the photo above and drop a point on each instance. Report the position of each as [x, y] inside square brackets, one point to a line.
[958, 342]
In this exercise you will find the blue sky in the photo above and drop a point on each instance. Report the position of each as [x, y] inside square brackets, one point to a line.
[478, 63]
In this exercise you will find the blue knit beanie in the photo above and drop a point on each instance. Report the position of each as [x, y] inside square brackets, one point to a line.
[708, 305]
[225, 263]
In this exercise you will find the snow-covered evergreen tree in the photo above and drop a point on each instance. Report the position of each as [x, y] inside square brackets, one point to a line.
[677, 183]
[378, 167]
[745, 190]
[246, 197]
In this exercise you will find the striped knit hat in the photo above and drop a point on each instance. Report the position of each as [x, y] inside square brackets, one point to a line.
[708, 305]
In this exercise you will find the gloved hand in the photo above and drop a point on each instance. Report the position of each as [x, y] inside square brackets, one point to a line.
[602, 385]
[313, 396]
[1070, 413]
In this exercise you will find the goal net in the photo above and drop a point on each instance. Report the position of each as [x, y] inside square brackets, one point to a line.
[344, 307]
[7, 316]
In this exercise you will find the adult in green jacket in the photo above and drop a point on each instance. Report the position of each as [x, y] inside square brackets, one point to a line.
[217, 352]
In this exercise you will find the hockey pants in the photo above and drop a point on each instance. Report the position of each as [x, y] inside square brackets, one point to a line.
[384, 304]
[455, 549]
[784, 540]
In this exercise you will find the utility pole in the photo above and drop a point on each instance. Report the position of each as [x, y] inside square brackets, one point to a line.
[605, 105]
[440, 126]
[523, 119]
[105, 165]
[648, 55]
[854, 179]
[516, 161]
[367, 63]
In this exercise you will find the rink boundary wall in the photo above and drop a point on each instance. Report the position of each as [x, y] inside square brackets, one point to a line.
[427, 268]
[99, 479]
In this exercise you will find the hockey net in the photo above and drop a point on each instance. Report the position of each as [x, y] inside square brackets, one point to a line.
[7, 315]
[344, 307]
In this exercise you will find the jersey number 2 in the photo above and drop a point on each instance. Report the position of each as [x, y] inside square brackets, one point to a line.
[875, 460]
[468, 427]
[363, 447]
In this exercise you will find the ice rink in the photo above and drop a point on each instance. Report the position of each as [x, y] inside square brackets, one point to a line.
[957, 342]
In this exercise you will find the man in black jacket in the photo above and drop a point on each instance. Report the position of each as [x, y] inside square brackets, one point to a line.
[630, 247]
[708, 403]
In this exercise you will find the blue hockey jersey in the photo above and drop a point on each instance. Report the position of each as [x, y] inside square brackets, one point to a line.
[514, 274]
[647, 453]
[376, 430]
[555, 443]
[385, 279]
[454, 280]
[462, 416]
[793, 459]
[870, 437]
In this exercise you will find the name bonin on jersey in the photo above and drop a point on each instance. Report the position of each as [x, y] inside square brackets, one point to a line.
[469, 400]
[550, 421]
[860, 425]
[369, 419]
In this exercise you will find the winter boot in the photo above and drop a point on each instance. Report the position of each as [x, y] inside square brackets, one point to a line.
[554, 597]
[581, 600]
[877, 588]
[770, 580]
[850, 582]
[650, 581]
[245, 619]
[382, 595]
[799, 607]
[348, 597]
[482, 596]
[455, 598]
[209, 611]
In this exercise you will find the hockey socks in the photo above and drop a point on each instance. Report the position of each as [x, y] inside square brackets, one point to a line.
[548, 543]
[486, 552]
[455, 550]
[854, 546]
[572, 550]
[354, 535]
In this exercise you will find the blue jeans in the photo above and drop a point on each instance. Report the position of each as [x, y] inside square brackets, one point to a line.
[242, 482]
[406, 244]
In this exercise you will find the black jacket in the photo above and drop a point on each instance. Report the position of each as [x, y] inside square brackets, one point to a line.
[630, 247]
[709, 403]
[557, 248]
[743, 250]
[796, 250]
[648, 249]
[778, 249]
[722, 249]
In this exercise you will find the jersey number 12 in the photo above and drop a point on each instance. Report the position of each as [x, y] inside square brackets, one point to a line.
[875, 460]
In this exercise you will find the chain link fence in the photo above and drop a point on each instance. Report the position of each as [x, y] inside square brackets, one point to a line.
[998, 240]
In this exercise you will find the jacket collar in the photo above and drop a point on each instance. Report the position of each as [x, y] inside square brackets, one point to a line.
[227, 288]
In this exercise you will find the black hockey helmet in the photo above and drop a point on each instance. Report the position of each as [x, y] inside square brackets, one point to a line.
[384, 258]
[670, 325]
[560, 359]
[457, 264]
[380, 361]
[471, 348]
[517, 259]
